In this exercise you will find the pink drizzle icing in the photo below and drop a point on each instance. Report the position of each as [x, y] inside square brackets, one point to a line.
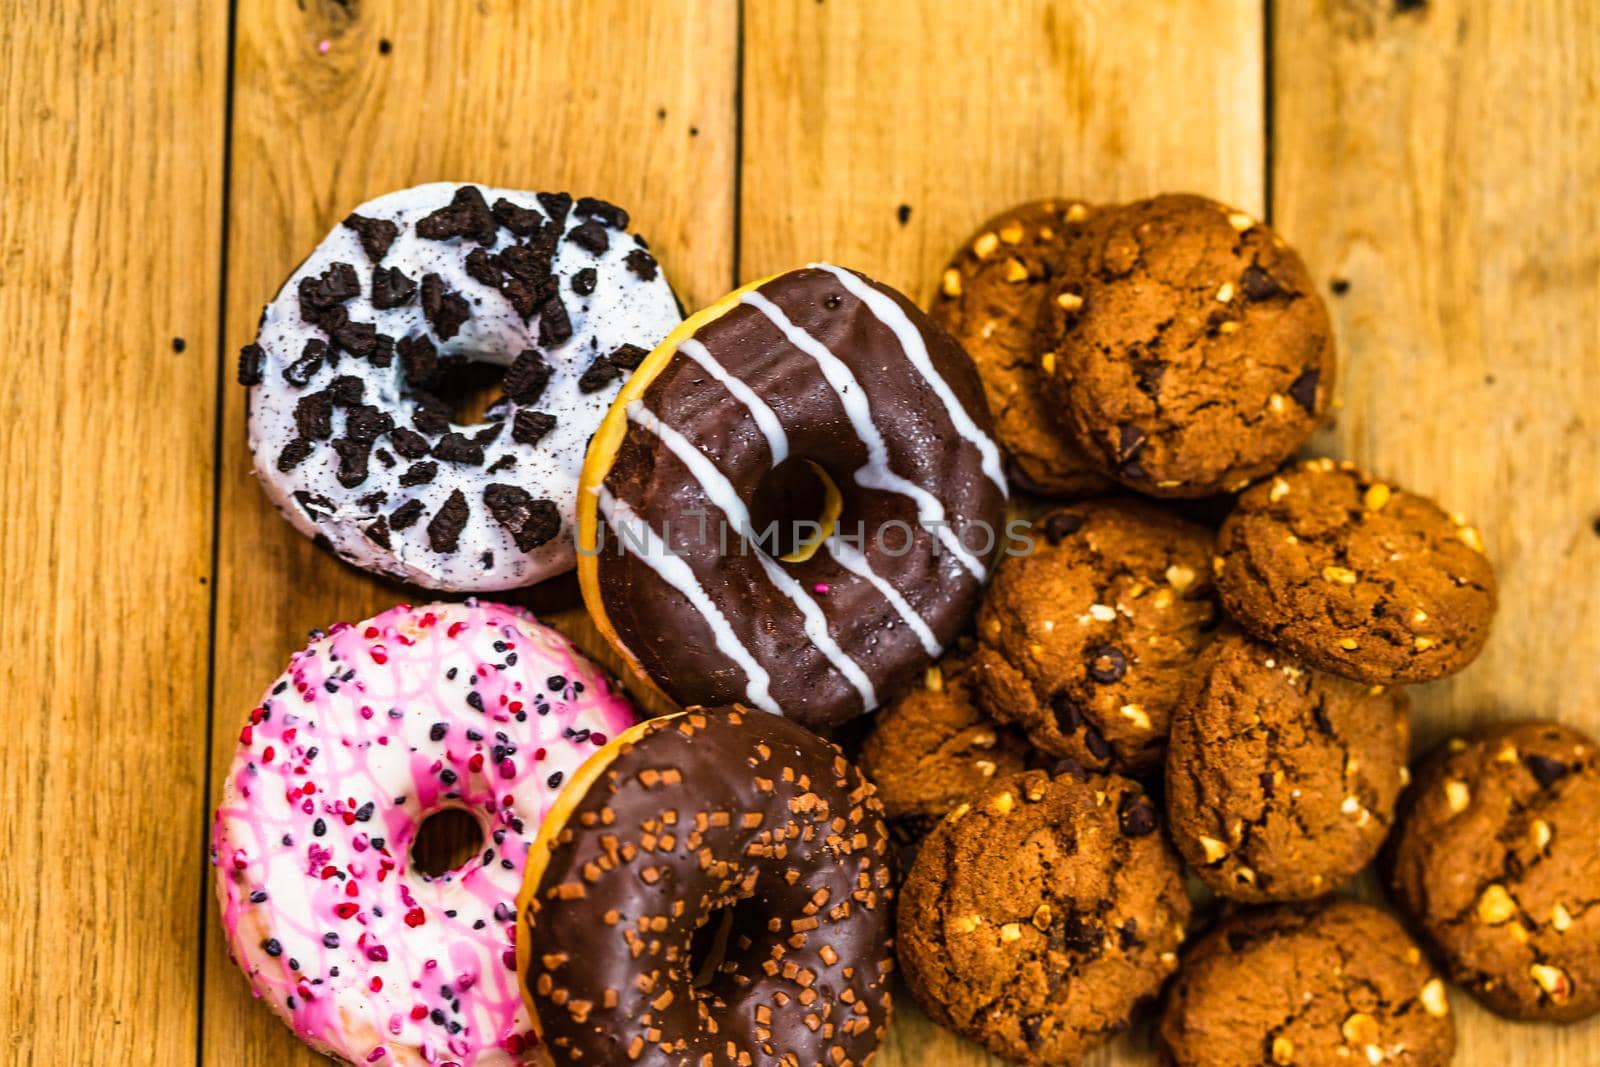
[371, 729]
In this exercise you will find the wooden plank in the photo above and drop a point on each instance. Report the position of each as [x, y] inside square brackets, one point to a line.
[631, 102]
[110, 162]
[853, 109]
[1440, 162]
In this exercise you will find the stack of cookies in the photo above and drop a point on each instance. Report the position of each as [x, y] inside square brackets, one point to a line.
[1147, 364]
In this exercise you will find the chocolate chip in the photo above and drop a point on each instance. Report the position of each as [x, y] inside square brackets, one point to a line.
[1130, 439]
[377, 532]
[526, 378]
[584, 281]
[250, 360]
[484, 267]
[456, 447]
[1071, 768]
[1548, 771]
[419, 360]
[364, 422]
[1107, 664]
[903, 213]
[601, 373]
[1135, 815]
[444, 308]
[590, 236]
[313, 416]
[429, 414]
[555, 328]
[345, 390]
[1079, 934]
[529, 426]
[353, 456]
[521, 221]
[1128, 935]
[1304, 390]
[293, 454]
[391, 288]
[467, 215]
[1258, 285]
[641, 263]
[531, 521]
[1096, 742]
[610, 214]
[302, 370]
[628, 357]
[1069, 717]
[419, 473]
[444, 529]
[1339, 286]
[409, 443]
[406, 514]
[376, 234]
[1061, 525]
[556, 206]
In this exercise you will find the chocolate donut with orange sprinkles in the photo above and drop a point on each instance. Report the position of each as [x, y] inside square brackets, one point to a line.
[712, 887]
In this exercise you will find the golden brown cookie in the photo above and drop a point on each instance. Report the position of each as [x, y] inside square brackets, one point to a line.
[933, 748]
[1356, 577]
[1191, 353]
[1497, 861]
[1041, 913]
[989, 299]
[1337, 984]
[1085, 642]
[1281, 780]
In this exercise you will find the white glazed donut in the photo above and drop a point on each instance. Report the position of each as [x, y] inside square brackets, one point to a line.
[373, 728]
[354, 449]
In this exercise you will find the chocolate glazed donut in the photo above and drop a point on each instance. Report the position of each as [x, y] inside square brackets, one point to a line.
[818, 367]
[712, 887]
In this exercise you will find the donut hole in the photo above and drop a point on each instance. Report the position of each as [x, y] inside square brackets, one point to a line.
[793, 509]
[469, 387]
[446, 841]
[708, 947]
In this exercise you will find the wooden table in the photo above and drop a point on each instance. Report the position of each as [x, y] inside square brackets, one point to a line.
[165, 165]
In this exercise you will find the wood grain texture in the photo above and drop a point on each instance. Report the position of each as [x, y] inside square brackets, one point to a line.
[853, 109]
[630, 102]
[1441, 164]
[110, 165]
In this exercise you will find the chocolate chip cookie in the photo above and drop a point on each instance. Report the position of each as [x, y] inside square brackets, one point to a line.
[1329, 985]
[1497, 861]
[1040, 913]
[1191, 354]
[1084, 643]
[989, 299]
[933, 748]
[1355, 576]
[1281, 780]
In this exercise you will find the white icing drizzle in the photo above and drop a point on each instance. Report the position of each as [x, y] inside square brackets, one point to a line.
[766, 418]
[894, 317]
[676, 573]
[720, 491]
[875, 473]
[853, 560]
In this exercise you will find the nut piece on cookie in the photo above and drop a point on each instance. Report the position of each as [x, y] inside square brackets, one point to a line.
[1036, 924]
[1496, 860]
[1356, 576]
[1085, 642]
[989, 299]
[1336, 982]
[1281, 780]
[934, 748]
[1192, 353]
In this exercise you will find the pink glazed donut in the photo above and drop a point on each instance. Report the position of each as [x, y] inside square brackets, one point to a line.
[373, 728]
